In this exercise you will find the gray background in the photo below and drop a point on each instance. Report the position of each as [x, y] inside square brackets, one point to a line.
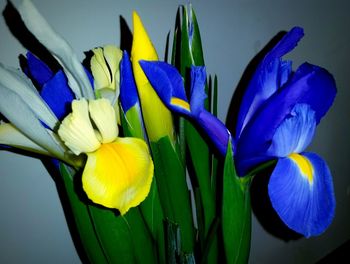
[32, 223]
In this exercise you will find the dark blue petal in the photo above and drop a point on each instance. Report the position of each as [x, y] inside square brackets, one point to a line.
[215, 130]
[128, 91]
[58, 95]
[295, 132]
[91, 78]
[168, 84]
[310, 85]
[270, 74]
[305, 205]
[38, 70]
[198, 95]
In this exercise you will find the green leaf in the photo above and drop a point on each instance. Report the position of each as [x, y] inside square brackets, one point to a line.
[106, 236]
[173, 191]
[82, 219]
[236, 213]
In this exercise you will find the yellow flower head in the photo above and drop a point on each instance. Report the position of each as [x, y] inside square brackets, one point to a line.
[119, 171]
[157, 117]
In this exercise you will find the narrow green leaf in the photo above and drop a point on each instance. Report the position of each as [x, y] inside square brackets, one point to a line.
[236, 213]
[82, 219]
[151, 209]
[173, 190]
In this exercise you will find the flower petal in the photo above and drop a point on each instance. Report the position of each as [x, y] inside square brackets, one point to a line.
[113, 56]
[310, 85]
[77, 78]
[301, 192]
[157, 118]
[11, 136]
[38, 69]
[104, 117]
[295, 133]
[23, 118]
[119, 174]
[268, 77]
[57, 94]
[99, 69]
[76, 129]
[17, 82]
[168, 83]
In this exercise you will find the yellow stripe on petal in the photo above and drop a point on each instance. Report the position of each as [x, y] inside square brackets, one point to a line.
[104, 117]
[304, 165]
[180, 103]
[76, 130]
[119, 174]
[157, 117]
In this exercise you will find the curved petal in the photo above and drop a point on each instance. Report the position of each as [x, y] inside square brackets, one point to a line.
[105, 119]
[76, 130]
[119, 174]
[38, 69]
[168, 83]
[310, 85]
[57, 94]
[295, 132]
[268, 77]
[301, 192]
[100, 71]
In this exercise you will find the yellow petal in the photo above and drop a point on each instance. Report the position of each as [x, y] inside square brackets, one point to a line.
[104, 117]
[99, 69]
[119, 174]
[157, 117]
[76, 130]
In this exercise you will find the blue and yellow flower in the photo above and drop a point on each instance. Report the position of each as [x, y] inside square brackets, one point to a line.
[277, 119]
[118, 171]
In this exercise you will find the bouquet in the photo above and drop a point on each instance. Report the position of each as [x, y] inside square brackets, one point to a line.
[151, 174]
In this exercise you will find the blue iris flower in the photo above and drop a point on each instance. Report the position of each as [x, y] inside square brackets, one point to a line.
[277, 120]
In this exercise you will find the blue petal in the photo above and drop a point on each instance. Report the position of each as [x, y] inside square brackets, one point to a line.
[295, 132]
[38, 70]
[198, 95]
[58, 95]
[168, 84]
[215, 130]
[306, 206]
[310, 85]
[269, 76]
[128, 91]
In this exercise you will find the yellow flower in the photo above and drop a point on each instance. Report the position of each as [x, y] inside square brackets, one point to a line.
[119, 171]
[157, 117]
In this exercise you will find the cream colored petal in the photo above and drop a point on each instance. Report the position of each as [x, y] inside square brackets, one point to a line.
[113, 56]
[76, 130]
[119, 174]
[99, 69]
[23, 118]
[104, 117]
[11, 136]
